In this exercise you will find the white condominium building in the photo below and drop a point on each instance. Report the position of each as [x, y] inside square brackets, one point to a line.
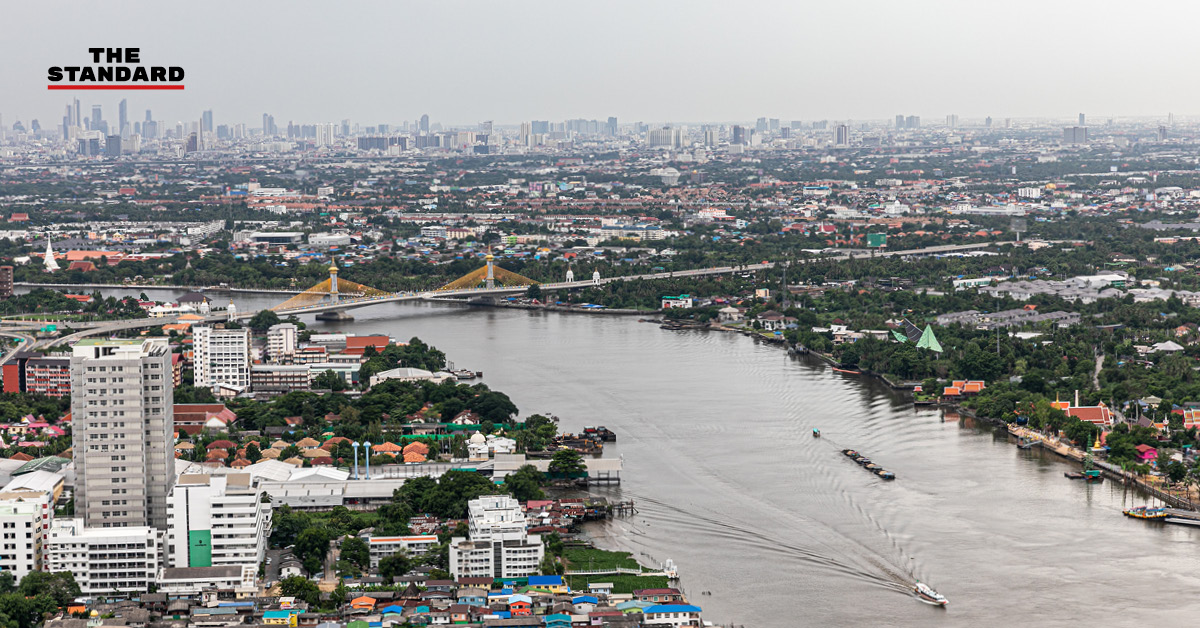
[222, 357]
[282, 340]
[104, 560]
[498, 546]
[216, 521]
[25, 518]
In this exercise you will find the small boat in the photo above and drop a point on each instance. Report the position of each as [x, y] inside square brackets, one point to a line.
[1025, 444]
[1142, 512]
[1073, 475]
[887, 475]
[850, 453]
[464, 374]
[1183, 521]
[816, 433]
[846, 371]
[929, 596]
[863, 460]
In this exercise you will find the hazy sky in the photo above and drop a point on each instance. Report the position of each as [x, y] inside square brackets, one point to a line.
[465, 61]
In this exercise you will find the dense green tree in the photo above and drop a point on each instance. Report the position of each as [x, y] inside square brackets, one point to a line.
[301, 588]
[263, 320]
[525, 483]
[395, 565]
[355, 550]
[567, 463]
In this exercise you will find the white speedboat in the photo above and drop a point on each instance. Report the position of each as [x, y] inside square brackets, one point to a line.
[927, 594]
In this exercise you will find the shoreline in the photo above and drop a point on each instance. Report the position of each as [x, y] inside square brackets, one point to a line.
[1062, 450]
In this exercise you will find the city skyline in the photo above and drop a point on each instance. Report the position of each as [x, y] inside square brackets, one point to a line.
[539, 60]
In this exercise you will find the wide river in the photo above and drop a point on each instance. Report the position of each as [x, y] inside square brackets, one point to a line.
[715, 430]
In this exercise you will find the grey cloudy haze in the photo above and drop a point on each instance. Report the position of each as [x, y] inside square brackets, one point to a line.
[466, 61]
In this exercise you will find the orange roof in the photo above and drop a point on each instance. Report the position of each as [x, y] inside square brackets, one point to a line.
[386, 448]
[364, 601]
[951, 391]
[420, 448]
[413, 456]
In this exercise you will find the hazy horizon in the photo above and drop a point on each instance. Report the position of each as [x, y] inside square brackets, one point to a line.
[465, 62]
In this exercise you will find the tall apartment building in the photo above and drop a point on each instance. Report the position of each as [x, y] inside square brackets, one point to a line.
[216, 520]
[25, 517]
[104, 560]
[123, 441]
[282, 340]
[498, 545]
[221, 357]
[32, 372]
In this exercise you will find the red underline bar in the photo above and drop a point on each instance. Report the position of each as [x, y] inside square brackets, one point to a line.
[114, 87]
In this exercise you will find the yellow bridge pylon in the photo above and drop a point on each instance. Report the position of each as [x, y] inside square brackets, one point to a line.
[330, 292]
[489, 276]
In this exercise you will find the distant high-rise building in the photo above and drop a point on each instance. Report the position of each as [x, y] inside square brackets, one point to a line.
[912, 122]
[820, 125]
[148, 116]
[843, 135]
[423, 125]
[485, 127]
[987, 122]
[1162, 133]
[193, 143]
[1075, 135]
[1082, 120]
[952, 120]
[123, 118]
[78, 119]
[539, 127]
[666, 137]
[738, 135]
[899, 121]
[710, 136]
[97, 120]
[112, 146]
[325, 134]
[89, 146]
[785, 132]
[773, 124]
[124, 449]
[206, 121]
[611, 126]
[760, 125]
[346, 127]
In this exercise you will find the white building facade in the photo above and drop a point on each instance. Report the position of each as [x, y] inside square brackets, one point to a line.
[498, 545]
[222, 357]
[282, 342]
[25, 518]
[104, 560]
[124, 447]
[216, 520]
